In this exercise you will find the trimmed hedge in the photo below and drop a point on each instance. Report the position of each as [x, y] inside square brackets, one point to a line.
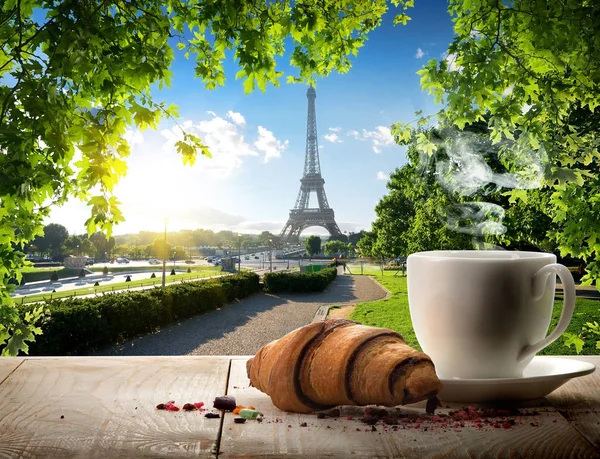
[299, 282]
[77, 326]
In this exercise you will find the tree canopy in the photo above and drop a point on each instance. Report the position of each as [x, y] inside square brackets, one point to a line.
[425, 210]
[313, 244]
[530, 70]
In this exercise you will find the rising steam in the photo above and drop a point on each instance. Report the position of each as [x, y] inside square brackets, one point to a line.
[467, 170]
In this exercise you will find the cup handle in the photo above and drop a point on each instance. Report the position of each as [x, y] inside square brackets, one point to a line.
[539, 287]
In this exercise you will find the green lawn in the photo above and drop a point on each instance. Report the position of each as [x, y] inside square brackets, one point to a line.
[393, 312]
[198, 274]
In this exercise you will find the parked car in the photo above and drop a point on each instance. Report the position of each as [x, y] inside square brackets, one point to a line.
[122, 260]
[257, 257]
[154, 261]
[89, 261]
[189, 262]
[246, 257]
[217, 261]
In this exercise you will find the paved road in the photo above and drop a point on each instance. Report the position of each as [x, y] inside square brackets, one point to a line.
[242, 328]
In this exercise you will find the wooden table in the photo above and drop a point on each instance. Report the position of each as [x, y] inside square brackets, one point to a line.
[106, 407]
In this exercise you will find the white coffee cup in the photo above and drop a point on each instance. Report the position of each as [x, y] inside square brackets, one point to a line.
[485, 314]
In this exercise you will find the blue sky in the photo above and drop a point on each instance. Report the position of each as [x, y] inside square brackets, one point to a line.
[258, 140]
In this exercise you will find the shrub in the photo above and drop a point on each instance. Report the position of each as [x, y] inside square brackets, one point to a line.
[153, 276]
[76, 326]
[299, 282]
[54, 277]
[105, 271]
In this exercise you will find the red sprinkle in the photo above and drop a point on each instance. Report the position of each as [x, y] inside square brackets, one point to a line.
[199, 405]
[171, 407]
[506, 425]
[349, 418]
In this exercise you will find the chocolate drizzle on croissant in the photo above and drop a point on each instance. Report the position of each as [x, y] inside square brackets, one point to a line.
[340, 362]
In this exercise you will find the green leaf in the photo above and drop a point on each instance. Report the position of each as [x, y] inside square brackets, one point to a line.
[571, 339]
[402, 18]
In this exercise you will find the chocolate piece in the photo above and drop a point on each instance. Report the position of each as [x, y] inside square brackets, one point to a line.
[369, 420]
[189, 407]
[432, 404]
[225, 403]
[377, 412]
[212, 415]
[161, 406]
[239, 420]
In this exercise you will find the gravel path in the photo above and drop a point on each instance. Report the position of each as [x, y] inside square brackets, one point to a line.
[242, 328]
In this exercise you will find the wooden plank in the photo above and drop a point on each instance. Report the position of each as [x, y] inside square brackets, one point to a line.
[579, 402]
[8, 365]
[281, 434]
[106, 407]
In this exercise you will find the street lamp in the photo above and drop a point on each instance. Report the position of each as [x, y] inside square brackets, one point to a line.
[270, 255]
[164, 255]
[239, 253]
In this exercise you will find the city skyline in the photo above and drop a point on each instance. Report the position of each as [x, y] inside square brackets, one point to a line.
[258, 141]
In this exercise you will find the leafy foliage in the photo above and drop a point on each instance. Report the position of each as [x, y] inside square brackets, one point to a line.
[313, 244]
[290, 282]
[75, 75]
[529, 70]
[335, 247]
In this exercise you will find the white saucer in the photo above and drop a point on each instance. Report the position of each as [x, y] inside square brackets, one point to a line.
[543, 375]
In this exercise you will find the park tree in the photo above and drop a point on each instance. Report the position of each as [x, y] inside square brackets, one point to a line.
[335, 248]
[529, 70]
[428, 207]
[162, 249]
[52, 239]
[103, 245]
[313, 245]
[78, 244]
[74, 76]
[365, 243]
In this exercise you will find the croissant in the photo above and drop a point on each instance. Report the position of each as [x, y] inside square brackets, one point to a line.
[340, 362]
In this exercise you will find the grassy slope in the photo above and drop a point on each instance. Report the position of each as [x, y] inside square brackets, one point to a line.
[393, 312]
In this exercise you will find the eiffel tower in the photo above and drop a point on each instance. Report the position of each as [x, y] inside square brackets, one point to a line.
[302, 215]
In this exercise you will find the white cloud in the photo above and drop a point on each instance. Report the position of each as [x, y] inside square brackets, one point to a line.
[269, 144]
[333, 138]
[133, 137]
[237, 118]
[335, 129]
[420, 53]
[382, 175]
[224, 139]
[380, 137]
